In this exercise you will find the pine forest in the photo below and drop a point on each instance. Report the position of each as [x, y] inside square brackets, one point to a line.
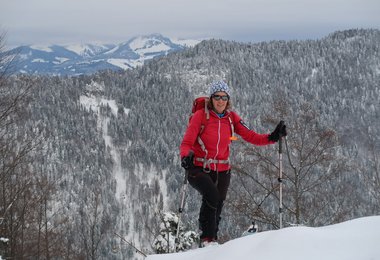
[88, 159]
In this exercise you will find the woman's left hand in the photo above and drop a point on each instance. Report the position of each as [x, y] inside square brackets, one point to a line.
[278, 132]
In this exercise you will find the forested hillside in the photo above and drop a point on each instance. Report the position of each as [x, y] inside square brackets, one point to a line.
[106, 145]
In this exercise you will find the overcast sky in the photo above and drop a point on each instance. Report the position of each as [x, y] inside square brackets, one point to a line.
[114, 21]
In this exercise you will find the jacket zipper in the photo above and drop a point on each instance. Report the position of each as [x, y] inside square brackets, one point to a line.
[217, 145]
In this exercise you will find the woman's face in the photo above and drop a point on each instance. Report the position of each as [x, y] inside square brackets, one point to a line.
[219, 101]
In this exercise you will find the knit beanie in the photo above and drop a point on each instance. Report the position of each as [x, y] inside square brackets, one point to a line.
[217, 86]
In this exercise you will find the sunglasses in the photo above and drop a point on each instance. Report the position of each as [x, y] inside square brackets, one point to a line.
[218, 97]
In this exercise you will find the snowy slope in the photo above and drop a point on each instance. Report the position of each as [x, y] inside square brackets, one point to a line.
[79, 59]
[88, 50]
[357, 239]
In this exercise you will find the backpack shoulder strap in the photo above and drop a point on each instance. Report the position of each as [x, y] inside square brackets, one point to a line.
[231, 118]
[205, 117]
[207, 111]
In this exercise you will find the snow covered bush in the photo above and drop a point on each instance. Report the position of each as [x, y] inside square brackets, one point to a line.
[166, 242]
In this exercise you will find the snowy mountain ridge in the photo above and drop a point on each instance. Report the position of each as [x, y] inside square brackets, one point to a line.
[77, 59]
[350, 240]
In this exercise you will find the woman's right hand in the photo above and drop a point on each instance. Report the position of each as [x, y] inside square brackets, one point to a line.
[187, 161]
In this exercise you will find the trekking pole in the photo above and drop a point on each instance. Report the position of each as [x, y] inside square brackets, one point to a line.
[183, 196]
[280, 177]
[132, 245]
[180, 210]
[280, 174]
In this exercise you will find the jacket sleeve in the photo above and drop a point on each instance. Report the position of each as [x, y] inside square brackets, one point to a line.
[249, 135]
[191, 133]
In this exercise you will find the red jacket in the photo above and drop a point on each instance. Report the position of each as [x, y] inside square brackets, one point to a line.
[216, 138]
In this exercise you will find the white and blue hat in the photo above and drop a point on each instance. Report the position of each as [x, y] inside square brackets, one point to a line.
[217, 86]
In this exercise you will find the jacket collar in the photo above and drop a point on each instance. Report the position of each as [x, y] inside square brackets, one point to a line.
[226, 113]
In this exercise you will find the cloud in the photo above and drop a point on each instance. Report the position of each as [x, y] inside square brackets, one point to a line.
[118, 20]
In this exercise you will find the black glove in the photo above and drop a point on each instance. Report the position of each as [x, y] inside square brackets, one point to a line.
[187, 161]
[279, 132]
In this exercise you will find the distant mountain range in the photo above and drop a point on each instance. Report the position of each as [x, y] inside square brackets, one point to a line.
[90, 58]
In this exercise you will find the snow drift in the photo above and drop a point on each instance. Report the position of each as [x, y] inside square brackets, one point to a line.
[357, 239]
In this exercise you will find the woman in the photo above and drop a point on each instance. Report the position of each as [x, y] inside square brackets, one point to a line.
[205, 154]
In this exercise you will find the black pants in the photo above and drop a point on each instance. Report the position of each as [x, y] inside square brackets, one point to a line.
[213, 187]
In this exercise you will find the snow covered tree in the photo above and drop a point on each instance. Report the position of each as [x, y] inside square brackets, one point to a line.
[166, 241]
[94, 225]
[371, 174]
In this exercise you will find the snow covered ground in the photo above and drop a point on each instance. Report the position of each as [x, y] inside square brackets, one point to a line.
[357, 239]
